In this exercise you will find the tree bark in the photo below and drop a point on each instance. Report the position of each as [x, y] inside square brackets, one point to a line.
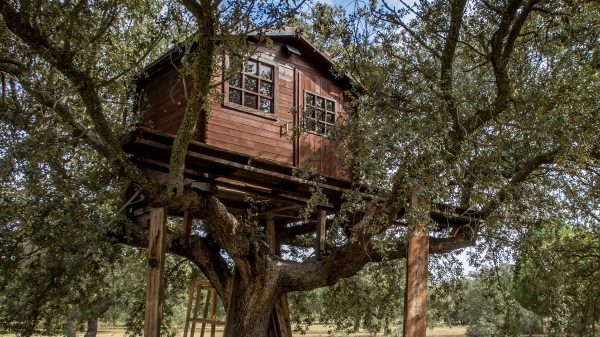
[92, 327]
[250, 306]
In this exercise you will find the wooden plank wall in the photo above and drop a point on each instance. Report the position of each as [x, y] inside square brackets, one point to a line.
[314, 150]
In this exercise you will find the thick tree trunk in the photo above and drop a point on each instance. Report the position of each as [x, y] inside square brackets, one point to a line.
[250, 306]
[92, 327]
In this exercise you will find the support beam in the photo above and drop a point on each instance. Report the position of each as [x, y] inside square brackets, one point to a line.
[187, 222]
[156, 264]
[271, 235]
[415, 305]
[321, 230]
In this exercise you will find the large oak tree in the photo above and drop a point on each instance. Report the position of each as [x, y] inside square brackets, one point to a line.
[486, 105]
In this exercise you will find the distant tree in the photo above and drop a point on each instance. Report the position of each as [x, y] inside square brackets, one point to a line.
[557, 277]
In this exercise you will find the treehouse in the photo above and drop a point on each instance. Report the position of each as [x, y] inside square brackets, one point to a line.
[249, 142]
[273, 120]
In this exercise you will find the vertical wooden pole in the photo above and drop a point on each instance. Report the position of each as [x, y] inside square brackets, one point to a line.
[188, 314]
[213, 317]
[196, 307]
[415, 305]
[271, 235]
[205, 313]
[154, 275]
[321, 230]
[187, 223]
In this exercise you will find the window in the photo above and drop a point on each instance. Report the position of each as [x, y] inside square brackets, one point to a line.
[319, 114]
[253, 89]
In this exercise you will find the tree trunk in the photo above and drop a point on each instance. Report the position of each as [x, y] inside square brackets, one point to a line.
[250, 306]
[92, 327]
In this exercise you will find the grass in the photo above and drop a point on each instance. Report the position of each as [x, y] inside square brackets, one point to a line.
[316, 330]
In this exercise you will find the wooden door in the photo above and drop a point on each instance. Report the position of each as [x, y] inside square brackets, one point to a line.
[320, 107]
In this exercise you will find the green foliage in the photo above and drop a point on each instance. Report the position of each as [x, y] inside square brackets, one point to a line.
[557, 277]
[372, 300]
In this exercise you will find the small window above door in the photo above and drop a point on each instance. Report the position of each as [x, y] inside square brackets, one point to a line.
[253, 89]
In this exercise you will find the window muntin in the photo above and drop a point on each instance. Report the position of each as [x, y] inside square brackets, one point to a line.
[319, 114]
[253, 89]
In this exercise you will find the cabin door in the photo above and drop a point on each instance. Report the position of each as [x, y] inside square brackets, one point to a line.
[319, 104]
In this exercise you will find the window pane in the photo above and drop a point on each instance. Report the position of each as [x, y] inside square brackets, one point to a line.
[265, 105]
[310, 112]
[266, 89]
[330, 118]
[266, 72]
[250, 101]
[330, 106]
[251, 83]
[320, 102]
[235, 96]
[310, 99]
[320, 115]
[251, 67]
[236, 81]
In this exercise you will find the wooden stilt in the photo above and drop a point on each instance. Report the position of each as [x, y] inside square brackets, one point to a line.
[415, 305]
[187, 223]
[271, 235]
[321, 230]
[154, 275]
[213, 316]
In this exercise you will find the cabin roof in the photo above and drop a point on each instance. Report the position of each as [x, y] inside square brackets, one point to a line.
[288, 36]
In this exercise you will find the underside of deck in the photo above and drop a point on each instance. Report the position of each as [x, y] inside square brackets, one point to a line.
[242, 182]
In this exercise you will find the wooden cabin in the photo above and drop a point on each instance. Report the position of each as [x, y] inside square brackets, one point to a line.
[286, 86]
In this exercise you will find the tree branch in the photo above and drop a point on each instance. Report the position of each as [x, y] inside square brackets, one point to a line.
[18, 24]
[447, 61]
[201, 67]
[301, 276]
[518, 178]
[199, 250]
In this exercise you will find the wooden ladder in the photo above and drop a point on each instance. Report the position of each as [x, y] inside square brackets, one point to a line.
[193, 308]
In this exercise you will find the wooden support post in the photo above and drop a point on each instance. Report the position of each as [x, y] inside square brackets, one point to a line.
[415, 305]
[188, 315]
[187, 222]
[271, 235]
[321, 230]
[154, 275]
[213, 317]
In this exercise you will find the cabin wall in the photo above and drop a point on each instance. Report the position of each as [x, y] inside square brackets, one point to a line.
[254, 135]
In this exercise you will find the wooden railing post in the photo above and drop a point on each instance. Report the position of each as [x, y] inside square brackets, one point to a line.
[417, 261]
[154, 275]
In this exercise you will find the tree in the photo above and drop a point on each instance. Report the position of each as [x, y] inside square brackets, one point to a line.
[490, 106]
[556, 278]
